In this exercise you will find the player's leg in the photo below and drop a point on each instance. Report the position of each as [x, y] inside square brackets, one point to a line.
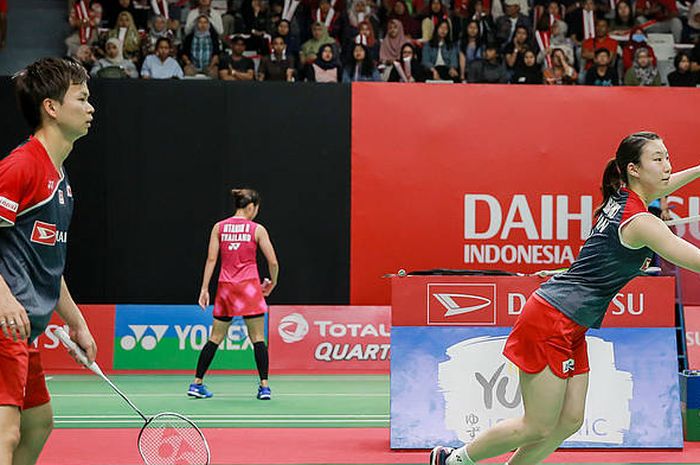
[206, 356]
[256, 333]
[36, 421]
[570, 422]
[9, 432]
[35, 426]
[543, 397]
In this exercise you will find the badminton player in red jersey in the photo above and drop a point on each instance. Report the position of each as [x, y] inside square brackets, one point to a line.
[239, 292]
[36, 204]
[548, 342]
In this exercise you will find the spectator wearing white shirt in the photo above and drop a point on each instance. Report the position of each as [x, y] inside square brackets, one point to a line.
[204, 9]
[161, 65]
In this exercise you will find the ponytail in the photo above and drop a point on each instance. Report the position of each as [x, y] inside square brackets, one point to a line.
[615, 174]
[612, 181]
[244, 197]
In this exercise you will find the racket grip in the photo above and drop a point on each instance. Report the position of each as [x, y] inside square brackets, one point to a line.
[79, 353]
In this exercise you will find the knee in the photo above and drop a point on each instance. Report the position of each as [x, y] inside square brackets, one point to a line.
[570, 423]
[9, 438]
[537, 432]
[45, 426]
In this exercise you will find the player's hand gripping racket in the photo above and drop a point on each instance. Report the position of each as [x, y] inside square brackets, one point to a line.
[165, 439]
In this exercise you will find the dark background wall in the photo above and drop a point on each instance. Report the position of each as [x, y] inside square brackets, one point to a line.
[154, 173]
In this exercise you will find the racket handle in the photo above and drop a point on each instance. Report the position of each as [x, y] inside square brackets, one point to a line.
[79, 353]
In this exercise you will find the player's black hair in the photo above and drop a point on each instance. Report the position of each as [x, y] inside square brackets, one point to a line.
[615, 174]
[46, 78]
[243, 197]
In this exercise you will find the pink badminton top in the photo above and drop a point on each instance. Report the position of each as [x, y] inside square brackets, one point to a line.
[238, 250]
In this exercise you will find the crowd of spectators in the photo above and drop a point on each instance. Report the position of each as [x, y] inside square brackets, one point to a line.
[557, 42]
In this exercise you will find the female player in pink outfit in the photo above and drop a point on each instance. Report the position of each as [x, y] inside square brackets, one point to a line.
[239, 292]
[548, 342]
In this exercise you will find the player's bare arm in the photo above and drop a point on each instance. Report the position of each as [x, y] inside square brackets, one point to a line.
[71, 314]
[14, 321]
[268, 250]
[209, 265]
[681, 178]
[650, 231]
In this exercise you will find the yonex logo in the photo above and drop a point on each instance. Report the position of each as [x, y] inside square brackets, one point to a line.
[147, 341]
[455, 308]
[234, 245]
[293, 328]
[8, 204]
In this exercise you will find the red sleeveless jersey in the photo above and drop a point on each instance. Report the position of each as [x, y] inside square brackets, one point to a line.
[238, 250]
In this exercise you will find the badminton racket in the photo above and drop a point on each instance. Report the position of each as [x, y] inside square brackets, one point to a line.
[165, 439]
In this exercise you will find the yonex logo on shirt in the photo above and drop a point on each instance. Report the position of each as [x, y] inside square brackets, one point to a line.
[8, 204]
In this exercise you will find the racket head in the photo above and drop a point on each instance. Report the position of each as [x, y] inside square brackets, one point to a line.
[169, 438]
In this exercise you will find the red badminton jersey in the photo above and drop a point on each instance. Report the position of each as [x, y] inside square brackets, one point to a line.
[36, 205]
[238, 250]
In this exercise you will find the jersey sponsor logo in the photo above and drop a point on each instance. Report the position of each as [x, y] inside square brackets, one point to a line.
[293, 328]
[47, 234]
[8, 204]
[234, 245]
[466, 304]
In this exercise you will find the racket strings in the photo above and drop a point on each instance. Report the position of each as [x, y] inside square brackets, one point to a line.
[170, 439]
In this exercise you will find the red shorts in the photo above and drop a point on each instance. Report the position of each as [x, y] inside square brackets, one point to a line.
[239, 299]
[22, 381]
[544, 336]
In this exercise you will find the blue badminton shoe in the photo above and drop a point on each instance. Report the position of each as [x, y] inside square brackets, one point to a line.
[199, 391]
[264, 393]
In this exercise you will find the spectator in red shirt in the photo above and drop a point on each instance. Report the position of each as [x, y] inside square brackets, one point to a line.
[665, 13]
[601, 40]
[638, 39]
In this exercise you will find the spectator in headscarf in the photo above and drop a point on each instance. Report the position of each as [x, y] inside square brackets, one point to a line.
[407, 68]
[638, 39]
[360, 67]
[158, 30]
[200, 51]
[325, 68]
[399, 11]
[528, 71]
[360, 11]
[683, 76]
[561, 71]
[390, 49]
[692, 31]
[643, 72]
[319, 36]
[127, 34]
[114, 64]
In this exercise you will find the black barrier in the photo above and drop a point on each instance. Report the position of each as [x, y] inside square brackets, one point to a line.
[153, 176]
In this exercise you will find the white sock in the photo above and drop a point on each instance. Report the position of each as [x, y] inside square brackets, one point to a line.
[459, 457]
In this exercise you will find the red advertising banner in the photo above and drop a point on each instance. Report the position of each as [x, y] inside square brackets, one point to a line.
[498, 300]
[100, 319]
[692, 336]
[493, 177]
[329, 339]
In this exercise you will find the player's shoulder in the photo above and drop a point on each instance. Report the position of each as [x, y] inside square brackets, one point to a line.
[23, 157]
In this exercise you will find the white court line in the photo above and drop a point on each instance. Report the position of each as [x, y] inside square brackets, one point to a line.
[139, 422]
[214, 416]
[179, 394]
